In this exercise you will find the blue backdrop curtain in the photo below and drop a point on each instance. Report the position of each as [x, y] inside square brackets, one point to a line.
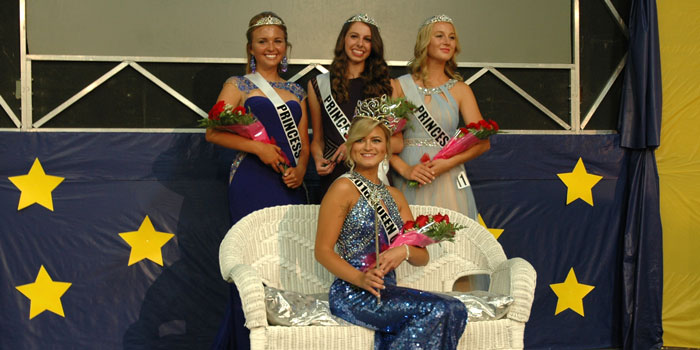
[640, 126]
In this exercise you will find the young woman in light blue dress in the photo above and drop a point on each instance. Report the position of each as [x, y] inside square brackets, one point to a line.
[434, 82]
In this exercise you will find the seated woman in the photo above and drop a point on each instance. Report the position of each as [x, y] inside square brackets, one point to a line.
[365, 293]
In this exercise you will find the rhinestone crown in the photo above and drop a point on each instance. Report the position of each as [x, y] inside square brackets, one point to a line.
[268, 20]
[376, 108]
[364, 18]
[438, 18]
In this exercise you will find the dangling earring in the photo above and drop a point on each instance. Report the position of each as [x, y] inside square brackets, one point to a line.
[284, 65]
[252, 63]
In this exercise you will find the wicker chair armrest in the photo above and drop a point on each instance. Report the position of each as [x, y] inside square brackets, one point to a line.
[516, 277]
[252, 293]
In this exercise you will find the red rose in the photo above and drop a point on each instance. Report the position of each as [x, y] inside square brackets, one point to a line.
[438, 217]
[474, 126]
[425, 158]
[240, 110]
[484, 124]
[409, 225]
[421, 220]
[494, 124]
[464, 131]
[446, 218]
[216, 110]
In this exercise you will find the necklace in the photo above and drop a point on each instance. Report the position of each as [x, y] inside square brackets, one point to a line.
[436, 90]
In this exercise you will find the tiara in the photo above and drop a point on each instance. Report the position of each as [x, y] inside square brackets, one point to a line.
[438, 18]
[364, 18]
[268, 20]
[388, 111]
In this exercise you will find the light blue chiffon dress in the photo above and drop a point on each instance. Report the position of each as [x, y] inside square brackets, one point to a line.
[443, 191]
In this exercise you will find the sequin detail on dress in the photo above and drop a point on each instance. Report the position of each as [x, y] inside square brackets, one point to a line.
[436, 90]
[406, 318]
[246, 86]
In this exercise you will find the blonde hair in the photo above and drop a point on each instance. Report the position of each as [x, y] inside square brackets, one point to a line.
[418, 64]
[359, 129]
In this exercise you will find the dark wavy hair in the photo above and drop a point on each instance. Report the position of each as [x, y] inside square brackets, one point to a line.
[375, 74]
[249, 36]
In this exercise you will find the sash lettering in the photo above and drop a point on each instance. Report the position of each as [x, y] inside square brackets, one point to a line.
[426, 120]
[339, 119]
[392, 231]
[288, 125]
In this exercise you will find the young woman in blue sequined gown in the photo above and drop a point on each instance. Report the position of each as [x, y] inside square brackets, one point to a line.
[405, 318]
[258, 178]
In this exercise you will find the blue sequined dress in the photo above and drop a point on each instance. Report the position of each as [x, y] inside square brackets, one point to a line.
[406, 318]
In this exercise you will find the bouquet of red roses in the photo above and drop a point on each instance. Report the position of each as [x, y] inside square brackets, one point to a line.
[464, 138]
[237, 120]
[425, 230]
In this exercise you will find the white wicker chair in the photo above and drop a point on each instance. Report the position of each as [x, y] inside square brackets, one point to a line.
[275, 246]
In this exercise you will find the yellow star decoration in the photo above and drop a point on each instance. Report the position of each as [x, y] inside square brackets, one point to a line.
[44, 293]
[570, 293]
[36, 187]
[496, 232]
[579, 183]
[146, 243]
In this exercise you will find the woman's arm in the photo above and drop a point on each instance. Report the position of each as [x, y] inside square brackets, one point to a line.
[418, 172]
[323, 166]
[268, 154]
[396, 89]
[335, 206]
[392, 258]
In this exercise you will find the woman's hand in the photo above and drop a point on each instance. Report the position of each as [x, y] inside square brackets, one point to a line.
[372, 280]
[439, 166]
[339, 155]
[421, 173]
[293, 177]
[391, 259]
[270, 155]
[323, 165]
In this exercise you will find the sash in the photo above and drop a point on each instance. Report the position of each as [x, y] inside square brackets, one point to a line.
[283, 112]
[392, 231]
[338, 118]
[426, 120]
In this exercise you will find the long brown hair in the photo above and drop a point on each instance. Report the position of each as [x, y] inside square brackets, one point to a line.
[375, 74]
[249, 36]
[417, 66]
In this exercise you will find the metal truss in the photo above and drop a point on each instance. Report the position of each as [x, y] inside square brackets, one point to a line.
[576, 126]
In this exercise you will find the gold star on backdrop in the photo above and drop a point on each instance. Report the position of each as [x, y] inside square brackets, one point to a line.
[44, 294]
[146, 243]
[579, 183]
[570, 293]
[36, 187]
[496, 232]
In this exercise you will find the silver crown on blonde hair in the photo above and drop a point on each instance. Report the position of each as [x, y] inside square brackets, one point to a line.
[268, 20]
[379, 109]
[436, 19]
[364, 18]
